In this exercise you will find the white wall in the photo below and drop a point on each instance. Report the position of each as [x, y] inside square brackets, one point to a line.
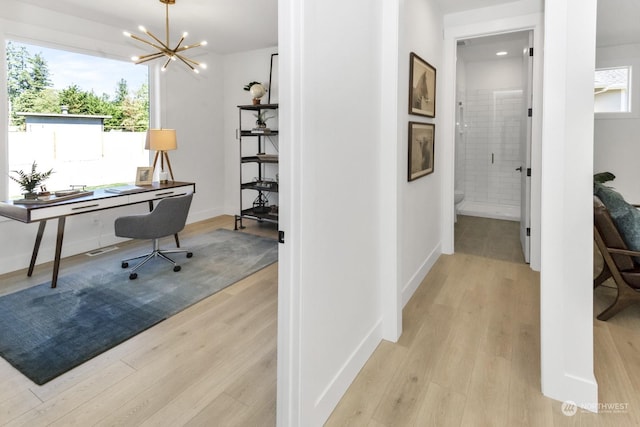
[329, 144]
[566, 292]
[351, 218]
[615, 135]
[195, 110]
[419, 214]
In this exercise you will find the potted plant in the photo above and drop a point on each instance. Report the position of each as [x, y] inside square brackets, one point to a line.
[257, 91]
[261, 119]
[30, 181]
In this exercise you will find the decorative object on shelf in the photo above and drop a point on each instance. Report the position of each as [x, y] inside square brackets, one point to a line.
[162, 140]
[261, 120]
[144, 175]
[257, 91]
[422, 87]
[30, 181]
[421, 143]
[261, 204]
[163, 49]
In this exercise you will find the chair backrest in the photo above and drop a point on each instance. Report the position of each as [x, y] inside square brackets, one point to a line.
[608, 231]
[167, 218]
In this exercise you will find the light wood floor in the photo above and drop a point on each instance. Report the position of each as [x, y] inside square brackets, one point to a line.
[213, 364]
[469, 355]
[470, 352]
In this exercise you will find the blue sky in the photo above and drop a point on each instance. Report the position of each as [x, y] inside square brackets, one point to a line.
[88, 72]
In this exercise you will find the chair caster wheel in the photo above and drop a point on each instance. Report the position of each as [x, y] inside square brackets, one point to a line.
[189, 254]
[177, 268]
[133, 276]
[124, 265]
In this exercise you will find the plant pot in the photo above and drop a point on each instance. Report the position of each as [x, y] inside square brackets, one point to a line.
[30, 196]
[256, 101]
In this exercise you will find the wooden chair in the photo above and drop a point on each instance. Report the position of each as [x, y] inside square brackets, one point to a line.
[619, 262]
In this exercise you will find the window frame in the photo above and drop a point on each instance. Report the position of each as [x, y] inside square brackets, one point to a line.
[72, 44]
[632, 96]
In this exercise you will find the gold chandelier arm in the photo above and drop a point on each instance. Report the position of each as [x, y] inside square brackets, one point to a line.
[177, 48]
[191, 46]
[150, 57]
[140, 39]
[184, 58]
[166, 64]
[167, 22]
[186, 61]
[164, 46]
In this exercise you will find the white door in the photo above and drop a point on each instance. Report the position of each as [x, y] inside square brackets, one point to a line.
[525, 150]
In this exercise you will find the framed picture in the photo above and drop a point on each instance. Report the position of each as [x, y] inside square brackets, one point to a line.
[144, 175]
[421, 144]
[422, 87]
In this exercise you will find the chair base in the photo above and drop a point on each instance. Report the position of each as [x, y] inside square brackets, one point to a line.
[157, 253]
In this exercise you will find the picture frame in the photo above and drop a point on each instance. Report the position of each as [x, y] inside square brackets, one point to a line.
[421, 149]
[422, 87]
[144, 175]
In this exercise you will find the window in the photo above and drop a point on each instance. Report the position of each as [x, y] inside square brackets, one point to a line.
[85, 117]
[612, 90]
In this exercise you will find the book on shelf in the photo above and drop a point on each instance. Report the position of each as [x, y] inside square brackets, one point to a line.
[261, 130]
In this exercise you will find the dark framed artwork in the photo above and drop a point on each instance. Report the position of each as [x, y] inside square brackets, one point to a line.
[421, 145]
[422, 87]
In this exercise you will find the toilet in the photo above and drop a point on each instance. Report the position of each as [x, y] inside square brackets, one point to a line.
[457, 200]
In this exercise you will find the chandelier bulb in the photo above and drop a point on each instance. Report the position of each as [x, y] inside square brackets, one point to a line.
[185, 34]
[135, 58]
[141, 28]
[203, 43]
[126, 33]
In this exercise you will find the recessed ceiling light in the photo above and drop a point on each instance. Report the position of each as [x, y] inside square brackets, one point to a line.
[501, 53]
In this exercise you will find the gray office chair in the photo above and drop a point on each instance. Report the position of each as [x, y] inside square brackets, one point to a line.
[168, 218]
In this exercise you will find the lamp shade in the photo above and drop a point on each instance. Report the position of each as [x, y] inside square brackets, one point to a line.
[161, 140]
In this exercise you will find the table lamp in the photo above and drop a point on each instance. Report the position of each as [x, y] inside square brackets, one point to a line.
[162, 140]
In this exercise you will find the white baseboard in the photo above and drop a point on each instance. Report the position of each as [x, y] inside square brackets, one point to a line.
[335, 389]
[412, 285]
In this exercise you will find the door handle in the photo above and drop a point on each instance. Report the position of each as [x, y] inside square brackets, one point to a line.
[519, 169]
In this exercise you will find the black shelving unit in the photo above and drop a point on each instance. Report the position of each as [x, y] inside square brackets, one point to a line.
[258, 165]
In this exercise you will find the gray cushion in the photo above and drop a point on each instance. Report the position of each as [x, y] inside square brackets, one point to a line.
[625, 216]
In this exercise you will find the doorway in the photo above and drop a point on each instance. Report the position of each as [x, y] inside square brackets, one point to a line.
[493, 144]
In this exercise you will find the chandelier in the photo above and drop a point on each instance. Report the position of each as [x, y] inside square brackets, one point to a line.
[162, 48]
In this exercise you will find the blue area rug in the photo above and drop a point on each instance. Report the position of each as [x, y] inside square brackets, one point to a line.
[45, 332]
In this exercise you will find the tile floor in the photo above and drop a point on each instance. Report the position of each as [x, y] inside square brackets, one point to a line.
[490, 238]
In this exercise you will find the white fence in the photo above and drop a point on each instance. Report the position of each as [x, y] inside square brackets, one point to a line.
[91, 159]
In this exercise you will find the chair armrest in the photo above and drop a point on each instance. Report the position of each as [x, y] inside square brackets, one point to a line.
[624, 252]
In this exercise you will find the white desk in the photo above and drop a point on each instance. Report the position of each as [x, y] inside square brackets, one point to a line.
[97, 201]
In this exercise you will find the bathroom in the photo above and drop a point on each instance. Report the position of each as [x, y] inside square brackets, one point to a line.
[492, 138]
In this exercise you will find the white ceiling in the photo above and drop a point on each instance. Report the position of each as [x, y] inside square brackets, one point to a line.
[227, 25]
[241, 25]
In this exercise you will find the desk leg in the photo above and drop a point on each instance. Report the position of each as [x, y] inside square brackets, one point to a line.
[56, 260]
[36, 247]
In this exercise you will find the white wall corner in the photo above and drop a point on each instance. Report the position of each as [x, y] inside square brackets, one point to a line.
[566, 292]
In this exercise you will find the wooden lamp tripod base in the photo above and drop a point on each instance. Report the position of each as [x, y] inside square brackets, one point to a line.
[163, 156]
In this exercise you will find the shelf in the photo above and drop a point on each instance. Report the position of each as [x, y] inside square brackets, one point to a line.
[259, 107]
[260, 187]
[261, 158]
[249, 213]
[252, 133]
